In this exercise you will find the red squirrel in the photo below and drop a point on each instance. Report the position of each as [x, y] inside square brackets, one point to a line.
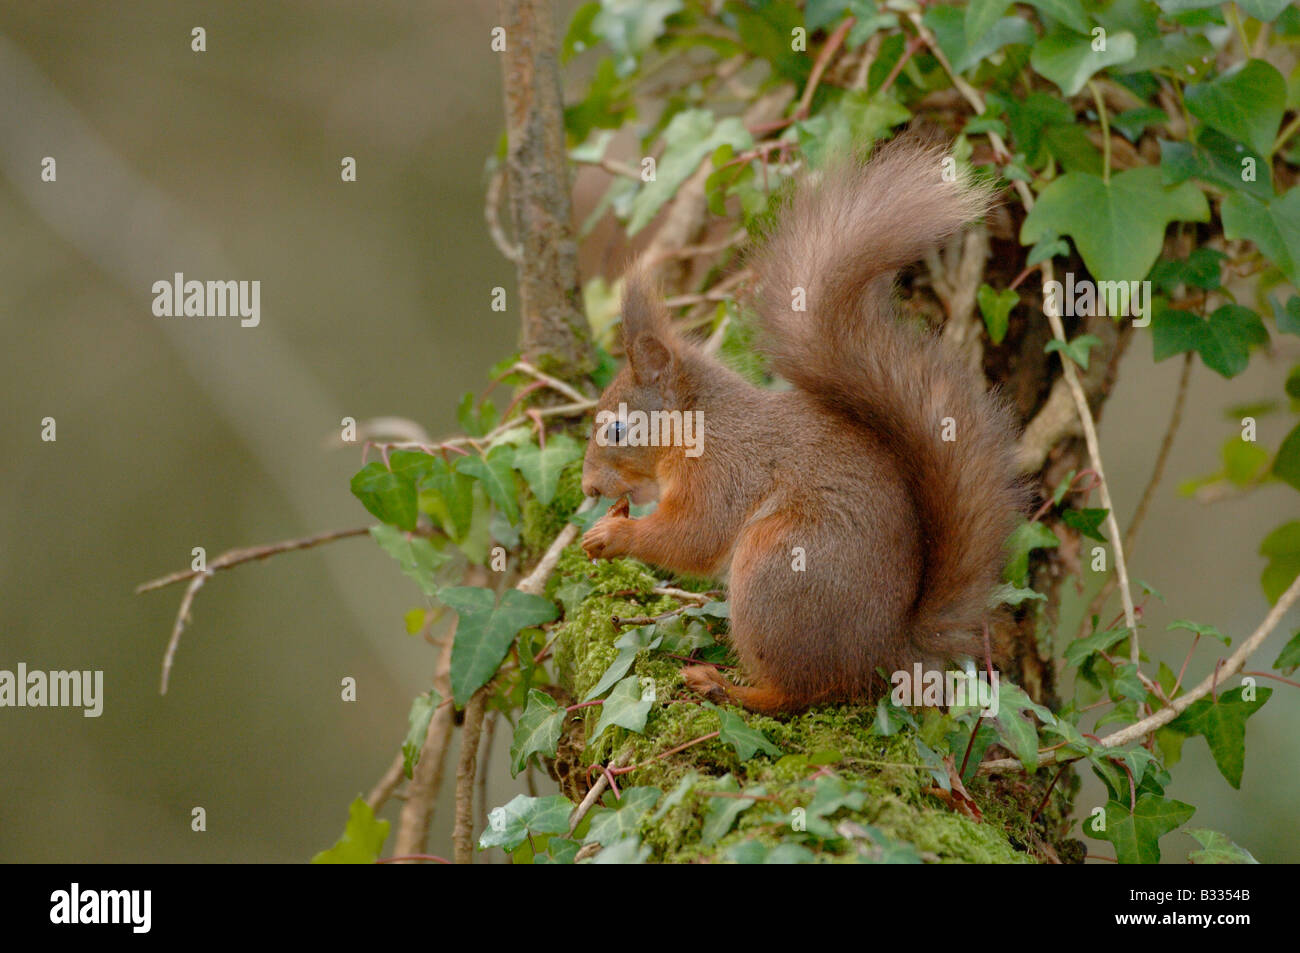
[852, 534]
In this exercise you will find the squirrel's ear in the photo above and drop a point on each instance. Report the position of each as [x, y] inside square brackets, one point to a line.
[651, 358]
[647, 335]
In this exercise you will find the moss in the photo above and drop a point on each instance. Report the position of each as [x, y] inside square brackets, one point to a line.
[837, 740]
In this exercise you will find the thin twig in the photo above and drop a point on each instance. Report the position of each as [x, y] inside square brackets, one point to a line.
[1224, 670]
[386, 785]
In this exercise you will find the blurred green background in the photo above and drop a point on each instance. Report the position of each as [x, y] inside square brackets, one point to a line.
[186, 432]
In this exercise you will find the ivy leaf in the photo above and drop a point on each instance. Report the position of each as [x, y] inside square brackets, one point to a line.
[387, 495]
[496, 475]
[1217, 848]
[629, 645]
[542, 466]
[1245, 104]
[1222, 721]
[1086, 521]
[1136, 834]
[415, 556]
[1076, 350]
[677, 795]
[692, 135]
[1118, 228]
[1289, 660]
[1286, 466]
[1207, 630]
[421, 714]
[980, 17]
[736, 732]
[1013, 595]
[572, 594]
[1288, 320]
[447, 496]
[538, 731]
[1069, 12]
[1223, 341]
[1274, 227]
[1080, 649]
[1216, 159]
[1200, 269]
[1069, 60]
[1282, 547]
[626, 707]
[1025, 538]
[363, 838]
[996, 307]
[723, 811]
[509, 826]
[485, 631]
[610, 826]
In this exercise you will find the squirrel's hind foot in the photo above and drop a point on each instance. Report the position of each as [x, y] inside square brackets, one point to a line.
[768, 700]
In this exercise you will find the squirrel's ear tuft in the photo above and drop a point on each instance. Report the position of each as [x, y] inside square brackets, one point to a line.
[647, 334]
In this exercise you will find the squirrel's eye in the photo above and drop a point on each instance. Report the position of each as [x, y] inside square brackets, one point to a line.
[616, 431]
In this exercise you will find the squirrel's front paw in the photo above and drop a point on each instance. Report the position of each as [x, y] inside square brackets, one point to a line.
[608, 538]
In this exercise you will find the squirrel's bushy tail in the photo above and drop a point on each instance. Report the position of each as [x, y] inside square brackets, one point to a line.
[842, 239]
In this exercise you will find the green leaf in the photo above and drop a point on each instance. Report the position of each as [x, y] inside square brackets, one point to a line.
[542, 467]
[1025, 538]
[1286, 466]
[1282, 547]
[1076, 350]
[677, 795]
[389, 496]
[1206, 630]
[722, 811]
[572, 593]
[610, 826]
[1217, 848]
[1265, 10]
[1222, 721]
[421, 714]
[627, 851]
[1086, 521]
[1289, 660]
[448, 496]
[1200, 269]
[1223, 341]
[629, 645]
[496, 475]
[1069, 12]
[538, 731]
[1118, 228]
[362, 839]
[415, 556]
[510, 826]
[626, 707]
[1216, 159]
[692, 135]
[1245, 104]
[1273, 226]
[1136, 835]
[980, 17]
[1069, 61]
[736, 732]
[1080, 649]
[996, 307]
[485, 631]
[1288, 322]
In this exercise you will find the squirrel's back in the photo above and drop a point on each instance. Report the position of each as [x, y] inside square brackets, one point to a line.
[842, 239]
